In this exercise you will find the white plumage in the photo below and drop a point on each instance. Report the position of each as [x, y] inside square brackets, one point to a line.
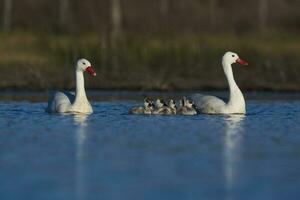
[213, 105]
[65, 102]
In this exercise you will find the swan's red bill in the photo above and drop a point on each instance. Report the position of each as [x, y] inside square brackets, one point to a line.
[91, 71]
[241, 62]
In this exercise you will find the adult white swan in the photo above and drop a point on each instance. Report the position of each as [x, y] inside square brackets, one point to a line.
[236, 103]
[64, 102]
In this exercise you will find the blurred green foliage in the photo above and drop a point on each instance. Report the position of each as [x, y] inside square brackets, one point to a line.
[149, 62]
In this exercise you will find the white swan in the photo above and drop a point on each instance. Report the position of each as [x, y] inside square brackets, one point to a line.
[213, 105]
[64, 102]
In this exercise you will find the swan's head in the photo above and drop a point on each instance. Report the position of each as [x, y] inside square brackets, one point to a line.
[85, 65]
[231, 58]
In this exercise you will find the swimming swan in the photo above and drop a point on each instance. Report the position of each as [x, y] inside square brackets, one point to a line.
[213, 105]
[64, 102]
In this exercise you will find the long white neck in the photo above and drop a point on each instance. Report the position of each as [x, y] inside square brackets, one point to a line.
[236, 98]
[80, 90]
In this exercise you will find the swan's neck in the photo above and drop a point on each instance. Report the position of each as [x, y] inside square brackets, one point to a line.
[81, 103]
[236, 98]
[80, 90]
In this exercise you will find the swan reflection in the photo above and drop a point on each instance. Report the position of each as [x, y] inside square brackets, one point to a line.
[80, 120]
[232, 149]
[80, 137]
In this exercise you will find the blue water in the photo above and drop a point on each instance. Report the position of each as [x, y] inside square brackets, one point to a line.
[113, 155]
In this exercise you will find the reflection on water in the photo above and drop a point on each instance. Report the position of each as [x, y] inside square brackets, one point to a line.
[80, 119]
[232, 149]
[80, 137]
[112, 155]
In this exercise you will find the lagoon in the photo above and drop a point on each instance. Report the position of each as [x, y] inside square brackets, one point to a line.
[113, 155]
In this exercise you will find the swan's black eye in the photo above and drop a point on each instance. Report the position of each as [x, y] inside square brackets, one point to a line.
[233, 55]
[83, 63]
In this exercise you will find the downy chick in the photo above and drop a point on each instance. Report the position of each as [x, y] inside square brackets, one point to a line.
[172, 107]
[147, 109]
[187, 107]
[165, 109]
[160, 107]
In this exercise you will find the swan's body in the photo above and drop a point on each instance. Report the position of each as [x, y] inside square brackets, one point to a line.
[63, 102]
[213, 105]
[187, 107]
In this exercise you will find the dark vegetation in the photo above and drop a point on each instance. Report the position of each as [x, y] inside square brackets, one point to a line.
[149, 45]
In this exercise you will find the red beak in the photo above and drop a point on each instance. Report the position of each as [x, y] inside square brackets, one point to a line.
[240, 61]
[91, 71]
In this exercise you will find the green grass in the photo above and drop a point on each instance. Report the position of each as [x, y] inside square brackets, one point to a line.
[149, 62]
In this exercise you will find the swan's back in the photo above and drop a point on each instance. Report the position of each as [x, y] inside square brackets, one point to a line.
[208, 104]
[60, 102]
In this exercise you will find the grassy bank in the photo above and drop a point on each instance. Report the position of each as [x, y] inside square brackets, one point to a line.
[149, 62]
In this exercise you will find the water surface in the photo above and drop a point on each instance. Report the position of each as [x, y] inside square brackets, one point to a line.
[113, 155]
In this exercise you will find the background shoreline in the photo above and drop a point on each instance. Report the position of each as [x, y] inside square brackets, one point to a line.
[37, 61]
[138, 96]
